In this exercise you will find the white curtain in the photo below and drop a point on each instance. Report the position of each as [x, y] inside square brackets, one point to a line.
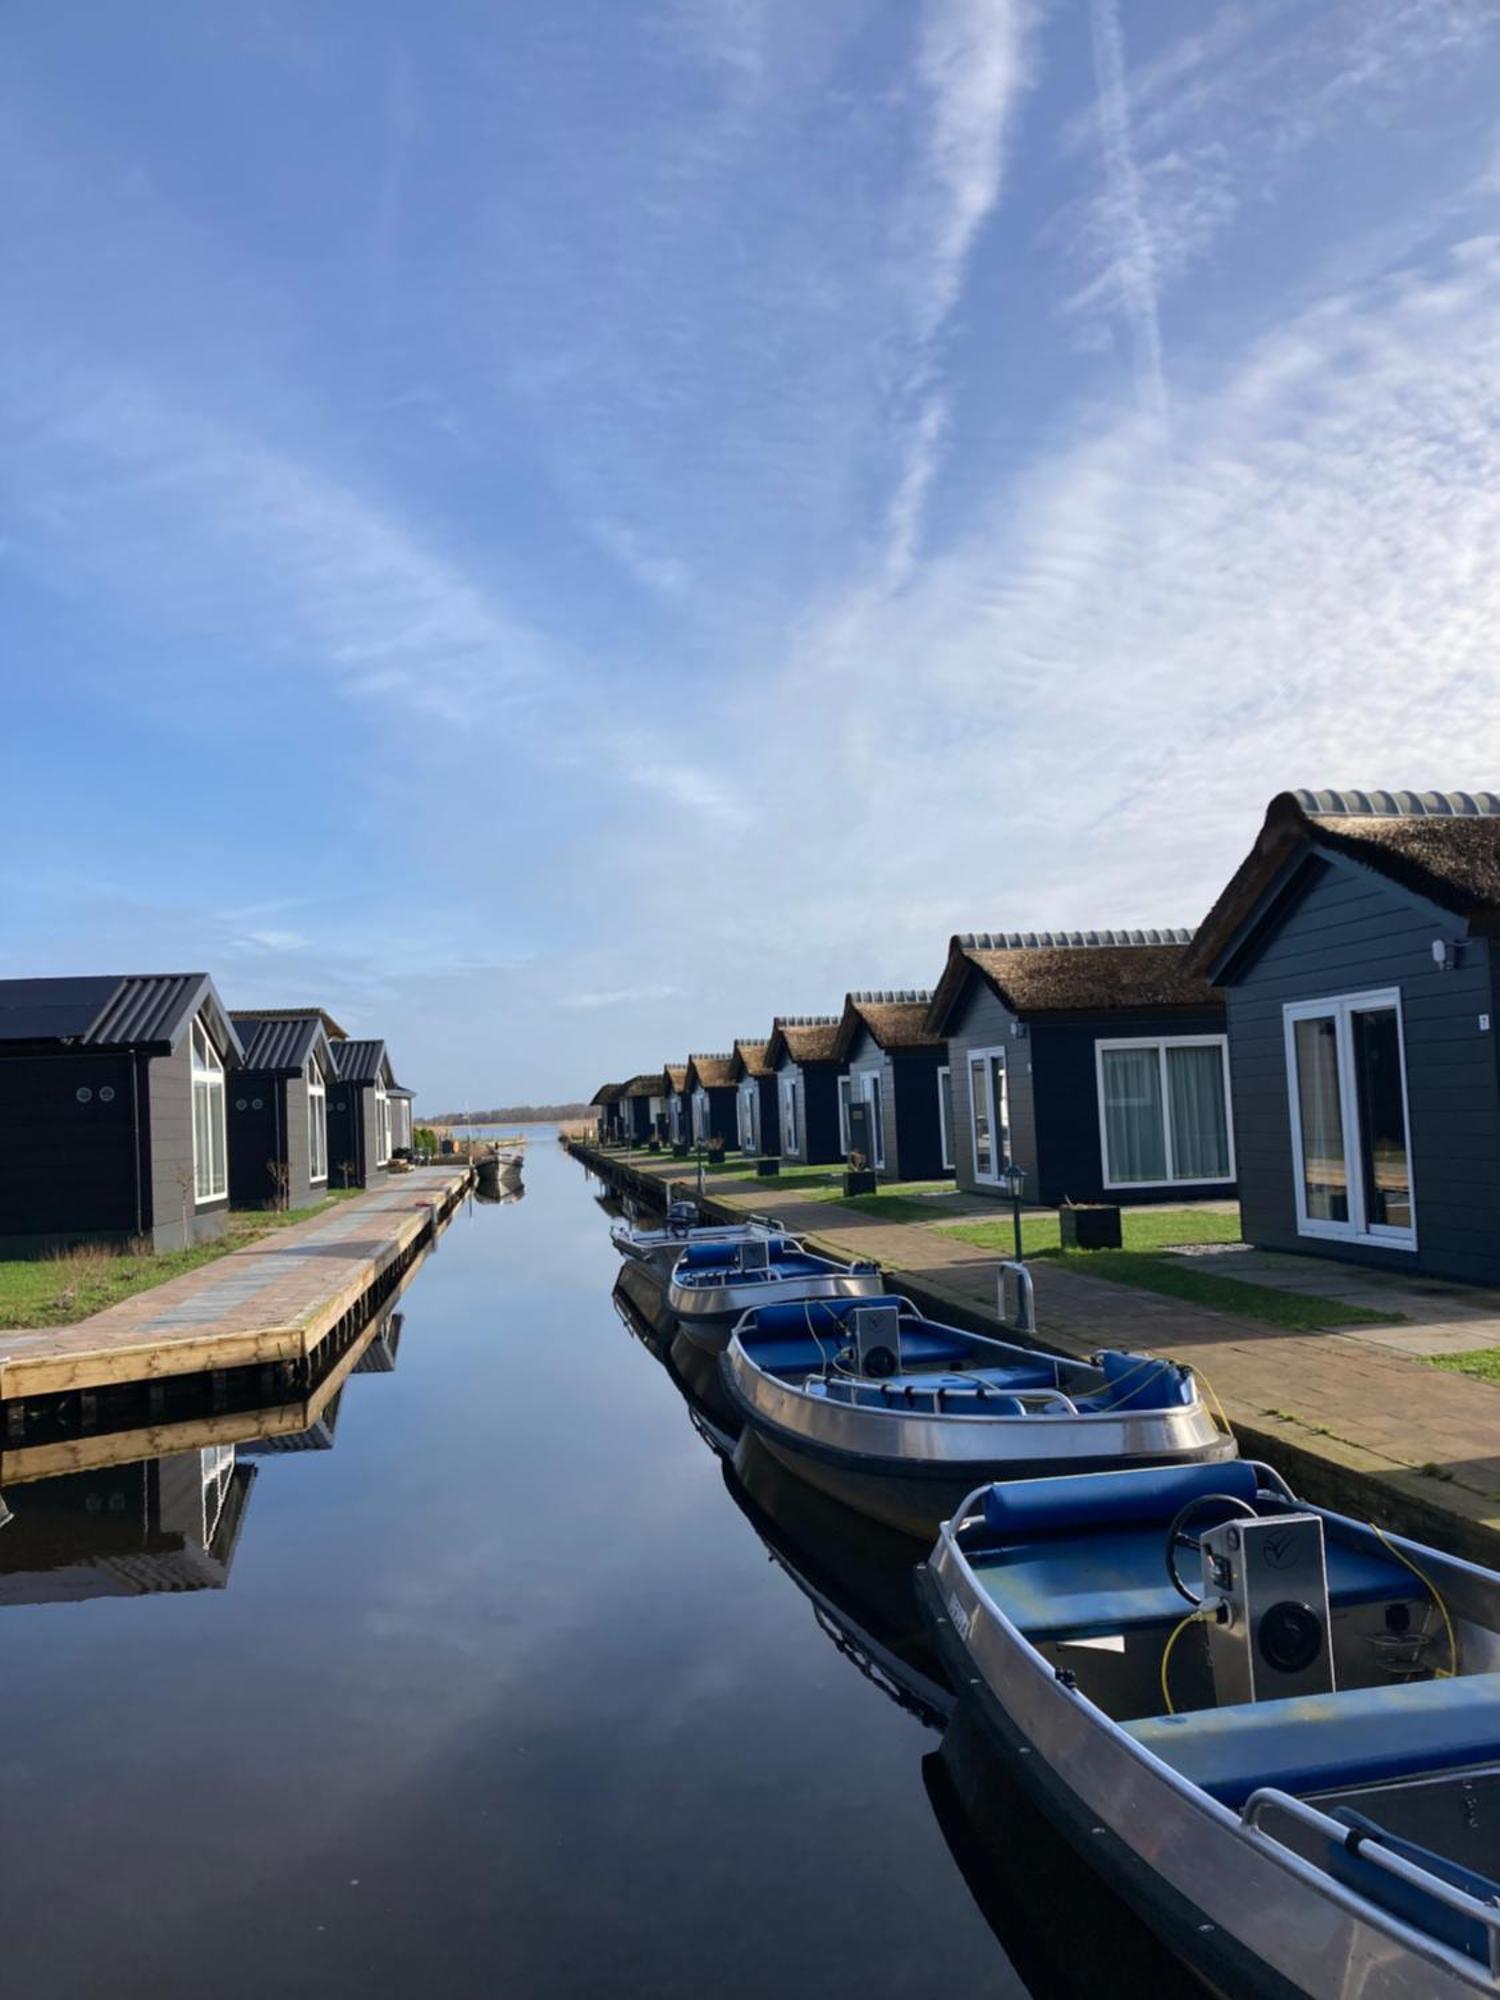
[1135, 1137]
[1200, 1117]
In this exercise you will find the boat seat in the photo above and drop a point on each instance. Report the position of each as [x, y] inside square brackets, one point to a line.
[795, 1347]
[1090, 1585]
[1330, 1742]
[987, 1392]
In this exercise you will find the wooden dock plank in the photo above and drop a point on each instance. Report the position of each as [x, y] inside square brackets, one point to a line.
[275, 1300]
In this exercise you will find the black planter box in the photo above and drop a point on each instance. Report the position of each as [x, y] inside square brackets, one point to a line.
[1089, 1228]
[767, 1170]
[681, 1152]
[653, 1145]
[860, 1181]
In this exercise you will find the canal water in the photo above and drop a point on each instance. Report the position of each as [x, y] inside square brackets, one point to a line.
[490, 1687]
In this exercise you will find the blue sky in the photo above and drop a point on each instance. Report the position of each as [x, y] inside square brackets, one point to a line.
[558, 532]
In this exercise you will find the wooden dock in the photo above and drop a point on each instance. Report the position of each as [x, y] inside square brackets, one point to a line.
[273, 1304]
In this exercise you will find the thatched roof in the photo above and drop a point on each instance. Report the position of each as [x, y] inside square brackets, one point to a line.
[803, 1038]
[893, 1021]
[710, 1072]
[750, 1059]
[1442, 845]
[643, 1086]
[674, 1076]
[1071, 972]
[608, 1093]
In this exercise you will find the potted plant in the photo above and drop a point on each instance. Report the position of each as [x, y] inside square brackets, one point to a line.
[716, 1149]
[859, 1175]
[1089, 1225]
[768, 1166]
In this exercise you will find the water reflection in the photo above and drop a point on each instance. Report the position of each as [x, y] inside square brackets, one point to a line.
[164, 1524]
[1059, 1926]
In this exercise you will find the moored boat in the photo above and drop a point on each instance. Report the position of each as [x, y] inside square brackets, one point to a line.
[1274, 1729]
[713, 1285]
[901, 1416]
[659, 1249]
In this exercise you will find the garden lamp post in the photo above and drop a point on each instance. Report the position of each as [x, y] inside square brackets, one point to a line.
[1014, 1179]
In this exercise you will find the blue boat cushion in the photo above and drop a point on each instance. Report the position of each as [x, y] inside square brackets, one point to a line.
[1407, 1901]
[721, 1256]
[1087, 1585]
[1328, 1742]
[780, 1340]
[710, 1275]
[1112, 1499]
[1140, 1382]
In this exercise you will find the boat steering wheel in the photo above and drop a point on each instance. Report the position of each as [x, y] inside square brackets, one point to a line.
[1178, 1538]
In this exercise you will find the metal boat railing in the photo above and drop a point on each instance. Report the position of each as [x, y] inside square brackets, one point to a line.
[1269, 1800]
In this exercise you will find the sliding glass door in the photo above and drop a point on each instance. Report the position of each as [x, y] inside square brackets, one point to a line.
[1346, 1074]
[989, 1114]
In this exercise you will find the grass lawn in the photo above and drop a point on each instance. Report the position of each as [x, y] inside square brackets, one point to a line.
[1147, 1231]
[55, 1291]
[1179, 1278]
[896, 1201]
[1142, 1228]
[1483, 1364]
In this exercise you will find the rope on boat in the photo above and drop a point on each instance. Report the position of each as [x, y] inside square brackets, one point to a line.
[1438, 1673]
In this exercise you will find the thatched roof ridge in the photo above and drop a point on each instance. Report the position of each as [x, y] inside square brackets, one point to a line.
[710, 1072]
[750, 1058]
[893, 1020]
[1100, 973]
[803, 1038]
[1444, 846]
[674, 1077]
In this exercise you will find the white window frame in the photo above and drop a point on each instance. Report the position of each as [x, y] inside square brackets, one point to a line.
[999, 1110]
[1339, 1007]
[1161, 1043]
[207, 1071]
[317, 1121]
[382, 1124]
[846, 1092]
[746, 1101]
[701, 1121]
[866, 1084]
[789, 1117]
[945, 1127]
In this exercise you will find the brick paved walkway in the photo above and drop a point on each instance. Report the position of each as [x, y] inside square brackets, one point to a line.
[1352, 1420]
[275, 1300]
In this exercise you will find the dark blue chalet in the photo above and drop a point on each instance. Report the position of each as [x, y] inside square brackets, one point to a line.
[1094, 1060]
[1356, 947]
[112, 1102]
[757, 1111]
[359, 1114]
[897, 1068]
[278, 1111]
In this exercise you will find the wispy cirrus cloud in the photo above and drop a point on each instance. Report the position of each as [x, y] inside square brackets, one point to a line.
[616, 996]
[1133, 273]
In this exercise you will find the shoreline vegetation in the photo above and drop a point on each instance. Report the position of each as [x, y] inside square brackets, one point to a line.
[512, 1114]
[74, 1284]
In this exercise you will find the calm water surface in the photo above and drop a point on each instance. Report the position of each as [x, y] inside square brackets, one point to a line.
[501, 1694]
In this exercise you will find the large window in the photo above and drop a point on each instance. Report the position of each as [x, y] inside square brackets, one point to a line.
[1346, 1073]
[747, 1110]
[383, 1124]
[317, 1123]
[700, 1117]
[945, 1114]
[1164, 1111]
[789, 1115]
[210, 1151]
[869, 1086]
[846, 1092]
[989, 1114]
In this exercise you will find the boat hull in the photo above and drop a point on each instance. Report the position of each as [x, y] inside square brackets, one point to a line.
[913, 1472]
[708, 1314]
[1247, 1915]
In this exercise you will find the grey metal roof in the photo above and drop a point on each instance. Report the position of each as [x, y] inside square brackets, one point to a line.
[905, 997]
[280, 1042]
[805, 1020]
[1400, 805]
[399, 1090]
[130, 1010]
[360, 1062]
[1061, 940]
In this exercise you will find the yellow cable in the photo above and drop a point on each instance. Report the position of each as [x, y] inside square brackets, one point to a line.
[1438, 1674]
[1166, 1657]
